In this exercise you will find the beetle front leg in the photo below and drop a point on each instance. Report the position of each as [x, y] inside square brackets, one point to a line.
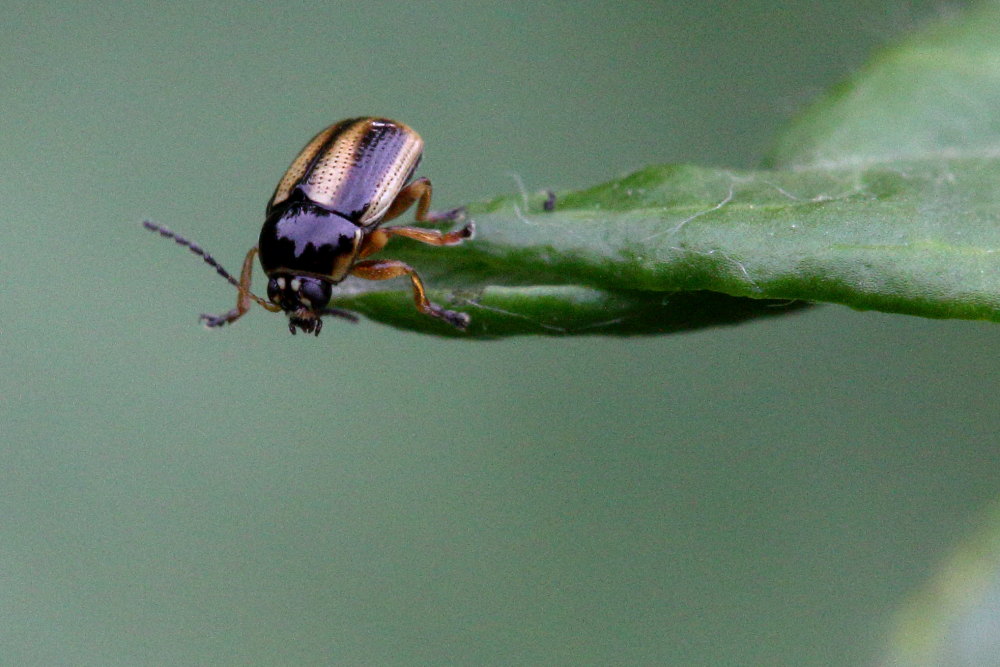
[420, 191]
[384, 269]
[244, 298]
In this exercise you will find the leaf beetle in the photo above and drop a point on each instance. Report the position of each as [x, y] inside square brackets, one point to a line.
[324, 219]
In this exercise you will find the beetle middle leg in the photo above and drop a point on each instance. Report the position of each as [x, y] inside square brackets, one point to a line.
[420, 191]
[376, 240]
[244, 298]
[384, 269]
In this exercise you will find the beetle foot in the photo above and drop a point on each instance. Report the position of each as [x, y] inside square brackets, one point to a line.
[550, 201]
[468, 231]
[456, 319]
[213, 321]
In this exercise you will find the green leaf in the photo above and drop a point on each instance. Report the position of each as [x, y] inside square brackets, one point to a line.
[933, 96]
[883, 196]
[567, 310]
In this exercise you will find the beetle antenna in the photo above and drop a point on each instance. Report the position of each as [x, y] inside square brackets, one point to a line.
[338, 312]
[193, 247]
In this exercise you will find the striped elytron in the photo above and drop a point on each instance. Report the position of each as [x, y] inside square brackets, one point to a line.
[324, 219]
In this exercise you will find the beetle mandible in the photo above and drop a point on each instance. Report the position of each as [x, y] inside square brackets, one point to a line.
[324, 219]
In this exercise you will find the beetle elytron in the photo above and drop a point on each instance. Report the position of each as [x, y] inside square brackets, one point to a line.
[324, 219]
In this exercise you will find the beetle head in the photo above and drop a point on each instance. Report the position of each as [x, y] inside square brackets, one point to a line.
[303, 298]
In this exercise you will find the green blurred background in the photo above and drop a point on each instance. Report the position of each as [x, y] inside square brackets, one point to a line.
[766, 494]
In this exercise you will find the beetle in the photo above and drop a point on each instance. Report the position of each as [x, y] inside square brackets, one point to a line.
[324, 219]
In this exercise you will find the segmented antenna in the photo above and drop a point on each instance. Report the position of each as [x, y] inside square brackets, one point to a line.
[193, 247]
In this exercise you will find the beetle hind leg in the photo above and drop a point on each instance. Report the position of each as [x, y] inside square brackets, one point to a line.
[420, 191]
[384, 269]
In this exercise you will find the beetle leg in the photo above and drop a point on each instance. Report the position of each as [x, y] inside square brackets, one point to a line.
[244, 298]
[420, 191]
[376, 240]
[550, 201]
[384, 269]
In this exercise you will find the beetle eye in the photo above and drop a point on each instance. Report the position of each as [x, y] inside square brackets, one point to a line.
[315, 293]
[272, 290]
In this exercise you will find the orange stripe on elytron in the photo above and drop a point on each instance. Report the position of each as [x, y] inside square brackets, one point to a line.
[334, 165]
[300, 165]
